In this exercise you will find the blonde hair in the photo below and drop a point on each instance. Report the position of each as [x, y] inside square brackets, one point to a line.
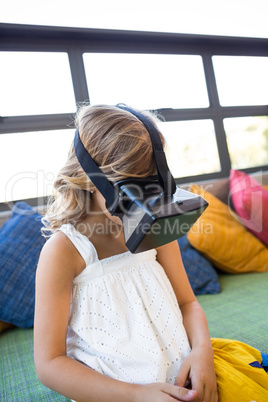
[120, 145]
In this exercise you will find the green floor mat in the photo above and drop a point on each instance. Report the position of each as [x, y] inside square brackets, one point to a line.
[240, 311]
[18, 379]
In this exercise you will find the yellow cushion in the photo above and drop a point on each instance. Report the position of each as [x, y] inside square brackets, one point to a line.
[223, 240]
[240, 376]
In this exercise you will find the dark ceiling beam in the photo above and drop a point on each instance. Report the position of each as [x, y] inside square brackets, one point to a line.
[35, 37]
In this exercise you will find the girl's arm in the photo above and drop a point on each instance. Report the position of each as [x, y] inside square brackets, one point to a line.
[59, 263]
[198, 367]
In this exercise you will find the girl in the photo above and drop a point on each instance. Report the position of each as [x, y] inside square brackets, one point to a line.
[111, 325]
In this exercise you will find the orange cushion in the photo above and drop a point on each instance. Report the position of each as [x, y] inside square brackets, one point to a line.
[222, 239]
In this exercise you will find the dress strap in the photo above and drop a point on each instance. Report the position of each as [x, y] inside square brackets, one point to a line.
[81, 243]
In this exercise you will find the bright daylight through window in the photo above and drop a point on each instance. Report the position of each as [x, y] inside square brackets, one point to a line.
[213, 105]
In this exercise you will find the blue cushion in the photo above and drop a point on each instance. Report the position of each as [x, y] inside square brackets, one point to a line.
[201, 274]
[20, 245]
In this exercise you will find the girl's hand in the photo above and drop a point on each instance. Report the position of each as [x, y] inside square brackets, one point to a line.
[162, 392]
[198, 368]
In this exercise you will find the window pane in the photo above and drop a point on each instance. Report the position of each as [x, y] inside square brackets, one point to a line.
[241, 80]
[191, 147]
[35, 83]
[247, 139]
[149, 81]
[28, 170]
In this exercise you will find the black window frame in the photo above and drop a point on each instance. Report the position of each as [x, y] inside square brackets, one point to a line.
[76, 41]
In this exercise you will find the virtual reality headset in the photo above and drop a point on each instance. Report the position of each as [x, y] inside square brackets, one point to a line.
[154, 211]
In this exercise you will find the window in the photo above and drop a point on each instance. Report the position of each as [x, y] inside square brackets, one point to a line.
[241, 80]
[191, 147]
[35, 83]
[247, 139]
[30, 161]
[212, 93]
[151, 81]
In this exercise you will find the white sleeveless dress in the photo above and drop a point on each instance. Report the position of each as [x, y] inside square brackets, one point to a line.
[125, 321]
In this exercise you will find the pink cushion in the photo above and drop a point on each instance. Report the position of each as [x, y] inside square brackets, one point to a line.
[250, 200]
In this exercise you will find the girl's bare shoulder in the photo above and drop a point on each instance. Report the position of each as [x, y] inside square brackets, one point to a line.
[59, 252]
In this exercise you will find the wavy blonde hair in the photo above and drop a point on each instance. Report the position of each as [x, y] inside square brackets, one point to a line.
[121, 146]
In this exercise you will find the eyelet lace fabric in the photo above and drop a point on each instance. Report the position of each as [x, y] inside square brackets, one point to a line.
[125, 321]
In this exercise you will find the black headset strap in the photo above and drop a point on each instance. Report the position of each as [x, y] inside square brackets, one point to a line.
[94, 172]
[165, 177]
